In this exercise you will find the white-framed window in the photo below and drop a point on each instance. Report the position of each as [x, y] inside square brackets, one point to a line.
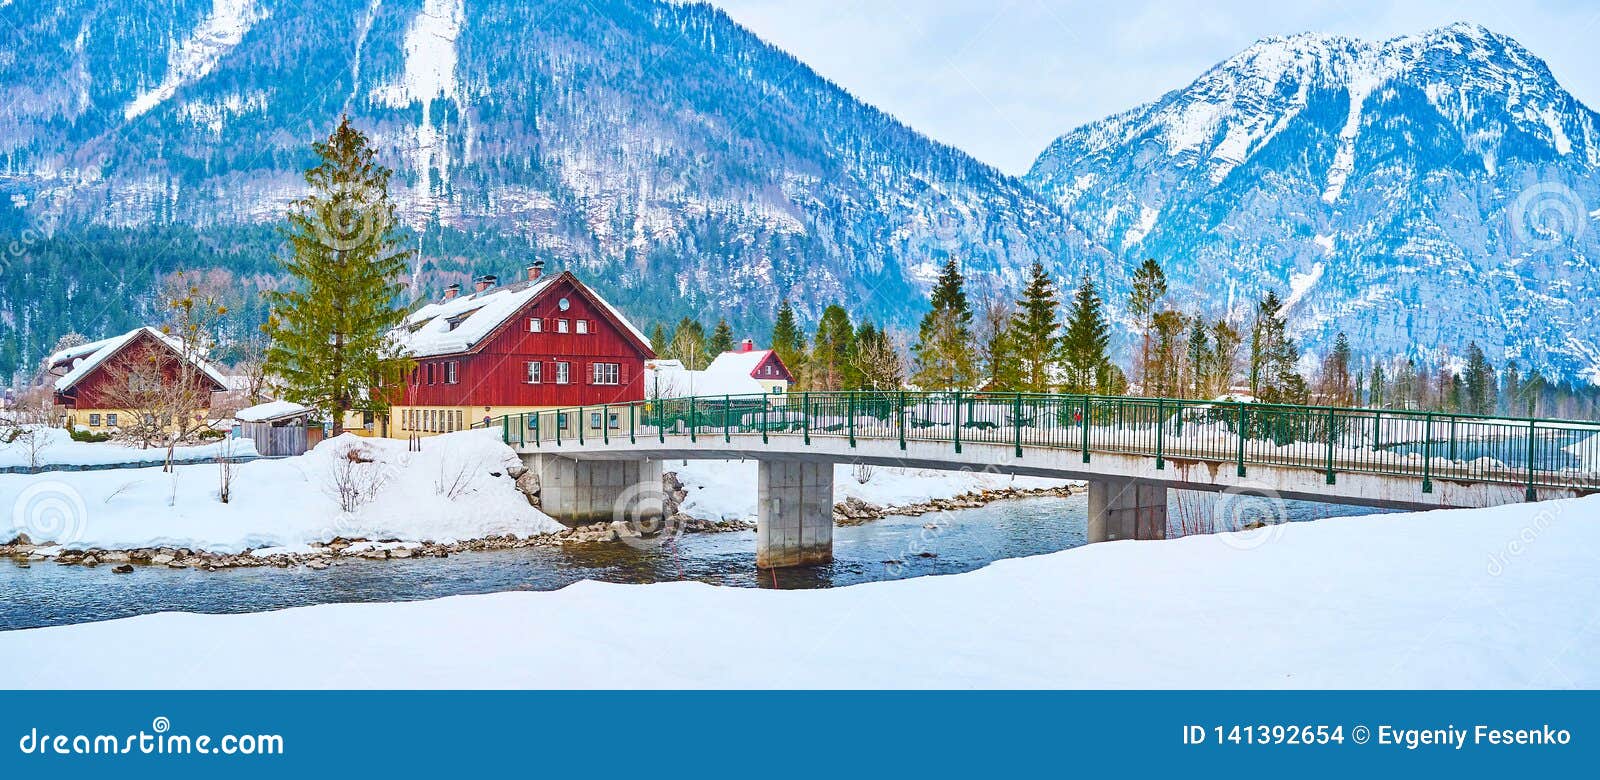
[535, 325]
[563, 373]
[606, 373]
[535, 372]
[94, 419]
[562, 325]
[583, 326]
[450, 369]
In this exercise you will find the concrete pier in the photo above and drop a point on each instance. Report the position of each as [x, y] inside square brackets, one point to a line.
[590, 491]
[1126, 509]
[794, 516]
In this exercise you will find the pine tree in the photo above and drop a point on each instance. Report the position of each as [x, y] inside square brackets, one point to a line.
[659, 339]
[944, 354]
[788, 340]
[1083, 349]
[1200, 358]
[1479, 381]
[1273, 356]
[688, 345]
[1375, 387]
[330, 331]
[1034, 333]
[721, 338]
[831, 350]
[1149, 287]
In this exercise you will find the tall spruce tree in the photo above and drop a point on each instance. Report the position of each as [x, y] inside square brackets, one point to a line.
[832, 350]
[1035, 334]
[1273, 355]
[1087, 369]
[944, 354]
[660, 340]
[1479, 382]
[788, 340]
[721, 338]
[1144, 301]
[330, 329]
[1199, 363]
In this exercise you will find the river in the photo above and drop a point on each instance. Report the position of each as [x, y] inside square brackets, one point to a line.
[46, 594]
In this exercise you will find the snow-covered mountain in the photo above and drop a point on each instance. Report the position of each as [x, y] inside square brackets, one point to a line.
[1416, 193]
[657, 147]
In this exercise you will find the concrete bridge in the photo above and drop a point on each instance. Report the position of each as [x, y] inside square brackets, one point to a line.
[604, 463]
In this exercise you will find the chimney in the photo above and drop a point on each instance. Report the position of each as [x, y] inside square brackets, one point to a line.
[748, 345]
[535, 270]
[485, 282]
[452, 291]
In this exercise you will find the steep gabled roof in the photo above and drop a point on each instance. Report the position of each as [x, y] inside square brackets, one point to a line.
[466, 322]
[81, 361]
[743, 362]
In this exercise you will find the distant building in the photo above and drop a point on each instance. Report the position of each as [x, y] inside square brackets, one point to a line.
[540, 343]
[743, 371]
[90, 380]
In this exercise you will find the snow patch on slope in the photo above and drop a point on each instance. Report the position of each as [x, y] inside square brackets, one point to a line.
[1300, 284]
[217, 34]
[430, 73]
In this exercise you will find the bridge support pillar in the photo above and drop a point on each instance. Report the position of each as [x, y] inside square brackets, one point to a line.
[577, 492]
[794, 516]
[1126, 509]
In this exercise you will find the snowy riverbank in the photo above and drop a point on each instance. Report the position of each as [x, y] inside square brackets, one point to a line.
[55, 447]
[1492, 598]
[456, 488]
[457, 493]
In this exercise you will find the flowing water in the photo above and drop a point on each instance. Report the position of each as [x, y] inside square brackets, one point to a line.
[45, 593]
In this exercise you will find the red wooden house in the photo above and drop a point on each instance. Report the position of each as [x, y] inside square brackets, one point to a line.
[539, 343]
[85, 375]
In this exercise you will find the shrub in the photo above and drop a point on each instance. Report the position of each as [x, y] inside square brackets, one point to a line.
[88, 437]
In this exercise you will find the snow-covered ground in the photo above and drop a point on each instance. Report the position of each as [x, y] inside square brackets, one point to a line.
[726, 489]
[57, 448]
[1487, 598]
[446, 492]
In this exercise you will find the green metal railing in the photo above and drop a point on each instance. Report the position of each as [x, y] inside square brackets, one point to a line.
[1526, 452]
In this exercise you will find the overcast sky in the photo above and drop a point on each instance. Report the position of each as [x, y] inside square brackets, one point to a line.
[1002, 78]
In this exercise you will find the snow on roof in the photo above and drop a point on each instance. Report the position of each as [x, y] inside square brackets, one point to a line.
[270, 411]
[86, 360]
[734, 362]
[429, 330]
[69, 353]
[458, 324]
[669, 379]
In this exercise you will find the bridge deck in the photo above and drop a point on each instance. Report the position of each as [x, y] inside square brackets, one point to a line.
[1418, 458]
